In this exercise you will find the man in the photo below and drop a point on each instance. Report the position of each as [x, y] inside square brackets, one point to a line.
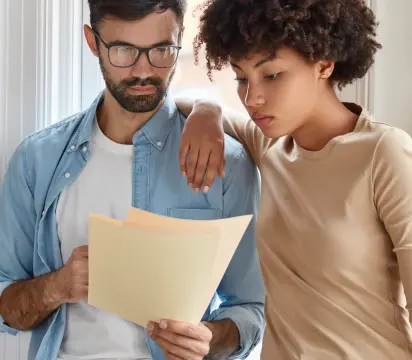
[122, 151]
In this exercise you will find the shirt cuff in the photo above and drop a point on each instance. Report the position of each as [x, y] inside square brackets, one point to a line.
[3, 327]
[250, 323]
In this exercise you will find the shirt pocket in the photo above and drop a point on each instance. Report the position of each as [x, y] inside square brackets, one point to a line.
[195, 214]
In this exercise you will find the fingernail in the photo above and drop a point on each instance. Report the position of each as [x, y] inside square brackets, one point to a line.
[150, 328]
[197, 191]
[184, 173]
[191, 186]
[163, 324]
[206, 189]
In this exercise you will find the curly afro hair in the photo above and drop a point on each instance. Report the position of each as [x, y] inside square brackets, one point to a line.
[343, 31]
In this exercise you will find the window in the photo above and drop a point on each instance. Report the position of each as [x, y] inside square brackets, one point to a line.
[194, 78]
[39, 67]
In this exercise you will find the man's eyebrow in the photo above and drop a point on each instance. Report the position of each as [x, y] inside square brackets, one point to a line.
[125, 43]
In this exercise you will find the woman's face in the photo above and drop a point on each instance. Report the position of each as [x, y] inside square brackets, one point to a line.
[279, 92]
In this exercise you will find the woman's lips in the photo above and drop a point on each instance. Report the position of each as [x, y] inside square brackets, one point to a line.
[262, 121]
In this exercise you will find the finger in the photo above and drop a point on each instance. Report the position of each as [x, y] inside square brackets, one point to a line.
[222, 165]
[184, 151]
[170, 356]
[196, 332]
[83, 274]
[191, 164]
[85, 289]
[82, 287]
[82, 251]
[212, 169]
[202, 165]
[80, 292]
[175, 350]
[196, 346]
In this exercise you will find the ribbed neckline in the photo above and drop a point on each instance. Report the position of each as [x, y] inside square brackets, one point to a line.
[316, 155]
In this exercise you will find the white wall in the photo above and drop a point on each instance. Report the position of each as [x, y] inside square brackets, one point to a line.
[392, 94]
[40, 72]
[18, 77]
[40, 67]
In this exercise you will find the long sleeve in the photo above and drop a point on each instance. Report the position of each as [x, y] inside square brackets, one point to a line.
[241, 290]
[17, 222]
[392, 181]
[243, 129]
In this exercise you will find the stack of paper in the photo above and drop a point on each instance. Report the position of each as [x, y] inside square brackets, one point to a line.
[152, 267]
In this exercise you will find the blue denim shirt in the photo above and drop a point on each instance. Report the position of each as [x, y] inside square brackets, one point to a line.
[37, 174]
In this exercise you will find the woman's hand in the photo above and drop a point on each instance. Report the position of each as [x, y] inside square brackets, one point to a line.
[202, 144]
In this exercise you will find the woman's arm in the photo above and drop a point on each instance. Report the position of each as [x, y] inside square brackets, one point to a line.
[202, 146]
[392, 181]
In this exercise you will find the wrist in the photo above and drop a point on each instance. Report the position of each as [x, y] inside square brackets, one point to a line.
[55, 292]
[208, 106]
[225, 337]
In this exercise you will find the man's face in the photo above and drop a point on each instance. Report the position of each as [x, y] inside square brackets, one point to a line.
[141, 87]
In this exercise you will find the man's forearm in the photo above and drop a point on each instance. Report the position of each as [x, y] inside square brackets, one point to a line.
[26, 304]
[225, 340]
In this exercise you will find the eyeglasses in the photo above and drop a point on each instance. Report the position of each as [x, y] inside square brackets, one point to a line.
[125, 55]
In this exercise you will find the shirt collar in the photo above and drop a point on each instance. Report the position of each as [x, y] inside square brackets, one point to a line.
[156, 129]
[84, 133]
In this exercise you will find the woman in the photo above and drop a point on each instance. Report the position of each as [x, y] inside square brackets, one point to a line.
[335, 223]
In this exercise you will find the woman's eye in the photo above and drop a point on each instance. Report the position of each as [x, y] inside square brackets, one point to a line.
[245, 80]
[271, 77]
[241, 80]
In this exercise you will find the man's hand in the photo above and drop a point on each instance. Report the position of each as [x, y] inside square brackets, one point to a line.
[181, 341]
[26, 304]
[73, 278]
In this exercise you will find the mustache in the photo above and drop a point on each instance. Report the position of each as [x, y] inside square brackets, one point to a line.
[151, 81]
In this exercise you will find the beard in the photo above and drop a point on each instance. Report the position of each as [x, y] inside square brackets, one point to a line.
[137, 103]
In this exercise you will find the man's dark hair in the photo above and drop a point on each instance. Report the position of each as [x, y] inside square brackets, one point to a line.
[343, 31]
[129, 10]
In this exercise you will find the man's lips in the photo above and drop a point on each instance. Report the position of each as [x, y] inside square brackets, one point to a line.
[142, 89]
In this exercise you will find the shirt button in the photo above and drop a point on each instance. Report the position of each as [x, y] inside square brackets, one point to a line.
[67, 175]
[159, 143]
[84, 149]
[72, 148]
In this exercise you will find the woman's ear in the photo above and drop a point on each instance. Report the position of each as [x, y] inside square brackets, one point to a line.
[325, 68]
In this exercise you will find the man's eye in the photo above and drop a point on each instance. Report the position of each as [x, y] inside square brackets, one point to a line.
[124, 50]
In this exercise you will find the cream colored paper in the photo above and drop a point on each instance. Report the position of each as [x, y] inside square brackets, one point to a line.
[231, 232]
[152, 267]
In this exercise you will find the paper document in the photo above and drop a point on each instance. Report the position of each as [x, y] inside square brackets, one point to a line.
[153, 267]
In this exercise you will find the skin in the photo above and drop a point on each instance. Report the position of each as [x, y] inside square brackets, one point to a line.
[26, 304]
[295, 95]
[127, 123]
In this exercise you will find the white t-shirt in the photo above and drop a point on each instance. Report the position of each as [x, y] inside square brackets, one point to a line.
[104, 187]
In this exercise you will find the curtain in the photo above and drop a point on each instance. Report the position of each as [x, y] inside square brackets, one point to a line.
[40, 67]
